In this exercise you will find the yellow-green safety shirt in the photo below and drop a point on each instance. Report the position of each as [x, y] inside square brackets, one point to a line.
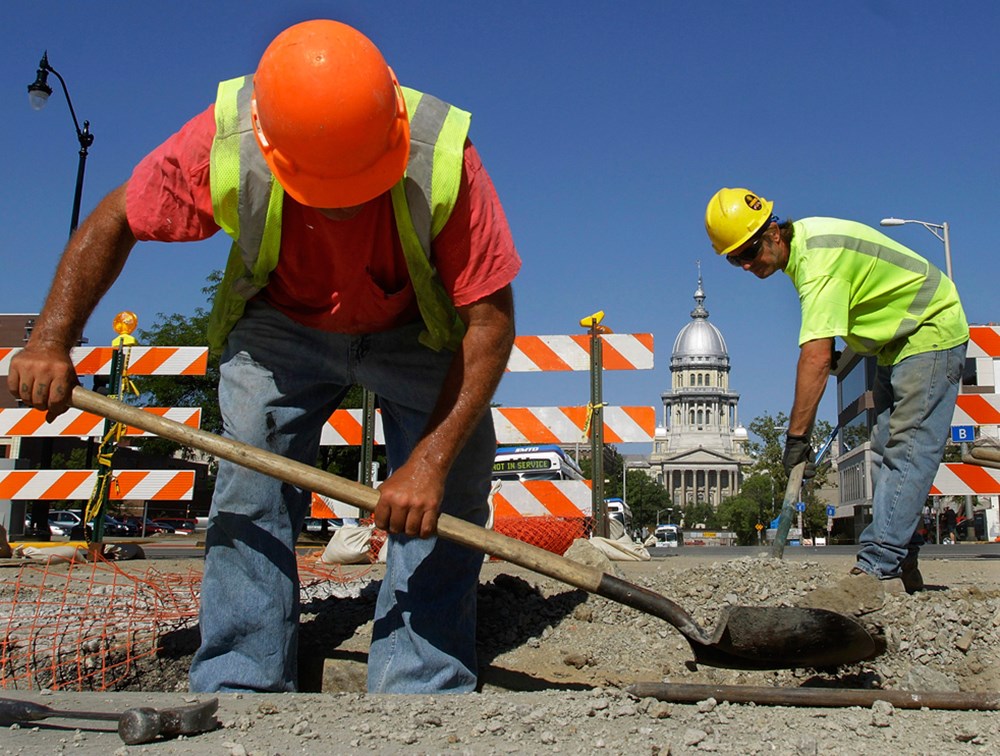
[880, 297]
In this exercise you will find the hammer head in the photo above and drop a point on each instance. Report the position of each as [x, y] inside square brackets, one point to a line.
[144, 725]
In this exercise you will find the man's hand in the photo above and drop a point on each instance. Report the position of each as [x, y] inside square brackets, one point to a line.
[409, 501]
[43, 378]
[799, 449]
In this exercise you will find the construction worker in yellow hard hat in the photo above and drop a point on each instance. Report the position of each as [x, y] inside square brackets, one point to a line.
[883, 300]
[342, 272]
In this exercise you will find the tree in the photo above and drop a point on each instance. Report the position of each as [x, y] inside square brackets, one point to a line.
[644, 496]
[740, 513]
[767, 453]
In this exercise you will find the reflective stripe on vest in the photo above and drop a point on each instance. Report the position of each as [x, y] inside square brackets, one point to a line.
[247, 204]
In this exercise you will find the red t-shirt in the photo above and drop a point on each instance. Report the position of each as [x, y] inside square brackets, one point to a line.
[346, 276]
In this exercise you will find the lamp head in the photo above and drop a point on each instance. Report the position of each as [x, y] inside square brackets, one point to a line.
[39, 90]
[891, 222]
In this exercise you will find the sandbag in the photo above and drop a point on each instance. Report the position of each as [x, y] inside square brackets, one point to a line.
[348, 545]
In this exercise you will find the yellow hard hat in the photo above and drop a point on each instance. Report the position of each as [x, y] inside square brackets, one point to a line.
[733, 216]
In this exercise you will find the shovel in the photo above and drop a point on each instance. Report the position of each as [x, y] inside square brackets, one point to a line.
[746, 637]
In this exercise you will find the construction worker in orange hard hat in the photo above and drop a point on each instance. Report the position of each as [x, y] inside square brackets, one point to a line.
[886, 301]
[369, 248]
[329, 115]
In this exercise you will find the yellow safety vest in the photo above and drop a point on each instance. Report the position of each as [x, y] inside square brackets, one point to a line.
[247, 204]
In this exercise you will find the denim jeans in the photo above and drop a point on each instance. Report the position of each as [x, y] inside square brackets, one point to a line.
[280, 381]
[914, 402]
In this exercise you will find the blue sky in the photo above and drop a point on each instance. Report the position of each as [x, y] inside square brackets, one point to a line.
[606, 126]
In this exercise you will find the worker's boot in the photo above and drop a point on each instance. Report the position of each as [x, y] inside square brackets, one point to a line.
[909, 573]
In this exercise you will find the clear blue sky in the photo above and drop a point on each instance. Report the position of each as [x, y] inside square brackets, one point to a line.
[606, 126]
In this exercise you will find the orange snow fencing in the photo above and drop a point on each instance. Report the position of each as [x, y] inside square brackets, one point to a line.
[555, 534]
[91, 626]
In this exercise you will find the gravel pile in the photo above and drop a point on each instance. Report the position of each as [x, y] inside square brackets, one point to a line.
[557, 664]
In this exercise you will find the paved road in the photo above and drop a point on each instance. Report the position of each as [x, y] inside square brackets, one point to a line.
[977, 550]
[180, 547]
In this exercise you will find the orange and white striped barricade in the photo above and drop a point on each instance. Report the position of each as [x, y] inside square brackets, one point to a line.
[984, 350]
[74, 422]
[977, 409]
[959, 479]
[150, 360]
[518, 425]
[55, 485]
[621, 351]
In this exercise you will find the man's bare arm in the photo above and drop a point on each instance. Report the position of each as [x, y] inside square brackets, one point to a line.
[42, 374]
[811, 377]
[410, 498]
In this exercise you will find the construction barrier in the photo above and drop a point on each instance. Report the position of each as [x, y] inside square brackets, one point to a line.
[142, 360]
[74, 422]
[977, 409]
[959, 479]
[984, 341]
[622, 351]
[56, 485]
[517, 426]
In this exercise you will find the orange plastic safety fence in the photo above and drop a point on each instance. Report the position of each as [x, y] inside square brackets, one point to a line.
[89, 625]
[555, 534]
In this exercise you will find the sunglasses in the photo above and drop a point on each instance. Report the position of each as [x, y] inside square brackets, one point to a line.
[748, 255]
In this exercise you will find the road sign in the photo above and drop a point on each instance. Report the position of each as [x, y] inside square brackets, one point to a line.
[831, 511]
[759, 526]
[800, 506]
[962, 433]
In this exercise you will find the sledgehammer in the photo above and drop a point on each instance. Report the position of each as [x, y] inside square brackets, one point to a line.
[135, 726]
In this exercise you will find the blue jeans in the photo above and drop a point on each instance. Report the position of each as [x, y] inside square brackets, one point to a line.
[914, 402]
[279, 383]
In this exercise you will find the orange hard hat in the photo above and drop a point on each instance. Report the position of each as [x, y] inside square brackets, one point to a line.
[329, 115]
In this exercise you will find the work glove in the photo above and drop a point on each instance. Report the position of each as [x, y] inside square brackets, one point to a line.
[835, 355]
[799, 449]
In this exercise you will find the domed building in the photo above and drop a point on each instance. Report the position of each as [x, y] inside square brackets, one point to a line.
[700, 446]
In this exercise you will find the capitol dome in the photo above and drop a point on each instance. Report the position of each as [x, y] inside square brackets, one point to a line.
[699, 343]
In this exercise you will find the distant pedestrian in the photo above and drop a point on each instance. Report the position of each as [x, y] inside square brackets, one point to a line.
[950, 525]
[928, 524]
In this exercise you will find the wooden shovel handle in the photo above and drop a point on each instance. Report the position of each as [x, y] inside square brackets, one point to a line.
[313, 479]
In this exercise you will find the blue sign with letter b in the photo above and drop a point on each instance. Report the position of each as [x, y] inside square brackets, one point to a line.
[963, 433]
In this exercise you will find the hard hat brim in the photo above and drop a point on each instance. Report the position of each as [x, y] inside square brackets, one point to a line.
[345, 191]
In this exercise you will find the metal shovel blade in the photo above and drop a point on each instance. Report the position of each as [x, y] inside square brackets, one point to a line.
[748, 638]
[771, 637]
[755, 637]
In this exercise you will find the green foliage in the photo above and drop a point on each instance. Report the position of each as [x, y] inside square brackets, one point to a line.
[740, 514]
[644, 496]
[767, 452]
[700, 513]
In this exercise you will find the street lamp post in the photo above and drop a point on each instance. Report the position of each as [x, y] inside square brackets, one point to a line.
[940, 230]
[38, 95]
[934, 228]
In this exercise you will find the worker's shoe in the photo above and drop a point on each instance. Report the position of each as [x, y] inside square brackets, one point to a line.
[859, 593]
[910, 575]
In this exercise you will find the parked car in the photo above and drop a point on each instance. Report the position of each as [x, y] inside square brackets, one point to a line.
[319, 525]
[62, 522]
[151, 528]
[181, 525]
[66, 521]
